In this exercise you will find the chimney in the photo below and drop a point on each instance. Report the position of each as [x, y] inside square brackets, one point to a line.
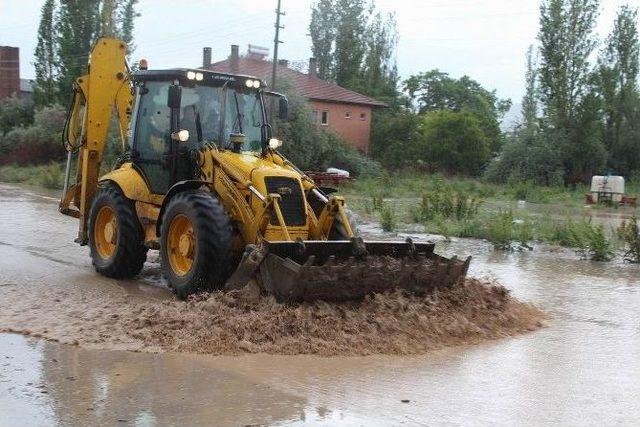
[234, 59]
[206, 58]
[283, 62]
[9, 71]
[313, 67]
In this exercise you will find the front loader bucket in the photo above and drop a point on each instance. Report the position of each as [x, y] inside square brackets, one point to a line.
[346, 270]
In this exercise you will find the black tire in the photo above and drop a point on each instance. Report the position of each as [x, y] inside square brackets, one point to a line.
[212, 235]
[338, 230]
[130, 251]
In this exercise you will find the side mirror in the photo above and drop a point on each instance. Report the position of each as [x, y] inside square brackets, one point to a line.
[174, 99]
[283, 109]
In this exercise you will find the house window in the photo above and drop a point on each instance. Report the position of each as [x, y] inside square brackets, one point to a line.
[314, 117]
[363, 116]
[347, 115]
[325, 118]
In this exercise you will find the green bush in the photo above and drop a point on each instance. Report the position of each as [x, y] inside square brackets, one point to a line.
[37, 143]
[590, 241]
[454, 141]
[500, 230]
[15, 112]
[49, 176]
[447, 205]
[388, 220]
[630, 234]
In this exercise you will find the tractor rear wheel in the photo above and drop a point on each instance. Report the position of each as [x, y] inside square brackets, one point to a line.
[116, 240]
[195, 243]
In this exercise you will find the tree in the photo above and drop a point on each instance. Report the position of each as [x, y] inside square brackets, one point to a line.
[126, 15]
[354, 46]
[530, 100]
[566, 43]
[349, 44]
[14, 112]
[395, 138]
[454, 142]
[379, 71]
[323, 35]
[434, 91]
[77, 27]
[618, 86]
[46, 57]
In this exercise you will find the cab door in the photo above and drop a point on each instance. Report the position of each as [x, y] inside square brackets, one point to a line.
[152, 141]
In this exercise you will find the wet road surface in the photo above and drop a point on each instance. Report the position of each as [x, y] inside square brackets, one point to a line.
[582, 369]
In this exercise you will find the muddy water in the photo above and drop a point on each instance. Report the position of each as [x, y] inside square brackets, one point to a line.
[582, 369]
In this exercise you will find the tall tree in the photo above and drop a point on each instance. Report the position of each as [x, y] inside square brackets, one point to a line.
[323, 36]
[125, 16]
[567, 40]
[46, 57]
[349, 45]
[355, 46]
[530, 100]
[618, 86]
[379, 73]
[77, 26]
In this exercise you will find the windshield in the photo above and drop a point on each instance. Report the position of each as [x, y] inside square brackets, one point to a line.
[210, 114]
[213, 114]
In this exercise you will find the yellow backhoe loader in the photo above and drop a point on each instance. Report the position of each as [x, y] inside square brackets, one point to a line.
[201, 179]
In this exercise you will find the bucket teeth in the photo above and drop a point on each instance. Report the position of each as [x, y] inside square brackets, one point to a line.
[309, 271]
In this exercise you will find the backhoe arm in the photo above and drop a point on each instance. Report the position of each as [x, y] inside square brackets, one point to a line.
[105, 86]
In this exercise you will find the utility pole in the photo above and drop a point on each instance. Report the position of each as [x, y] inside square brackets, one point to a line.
[276, 43]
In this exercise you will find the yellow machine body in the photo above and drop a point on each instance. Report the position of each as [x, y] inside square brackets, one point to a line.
[287, 250]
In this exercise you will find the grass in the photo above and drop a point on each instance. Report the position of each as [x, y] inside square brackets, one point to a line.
[462, 207]
[48, 176]
[408, 184]
[630, 234]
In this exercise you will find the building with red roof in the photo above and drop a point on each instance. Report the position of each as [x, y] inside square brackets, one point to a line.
[341, 110]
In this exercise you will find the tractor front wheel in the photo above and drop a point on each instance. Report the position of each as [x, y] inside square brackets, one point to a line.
[116, 240]
[195, 243]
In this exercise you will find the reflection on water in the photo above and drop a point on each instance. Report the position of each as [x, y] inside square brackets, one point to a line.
[583, 369]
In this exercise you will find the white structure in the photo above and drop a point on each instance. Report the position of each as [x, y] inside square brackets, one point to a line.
[607, 188]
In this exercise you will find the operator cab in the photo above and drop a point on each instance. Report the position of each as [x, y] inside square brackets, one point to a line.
[178, 111]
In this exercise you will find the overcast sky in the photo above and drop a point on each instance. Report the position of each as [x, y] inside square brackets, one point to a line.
[485, 39]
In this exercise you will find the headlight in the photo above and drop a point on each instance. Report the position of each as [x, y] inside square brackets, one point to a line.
[249, 83]
[256, 84]
[191, 75]
[199, 77]
[181, 135]
[274, 143]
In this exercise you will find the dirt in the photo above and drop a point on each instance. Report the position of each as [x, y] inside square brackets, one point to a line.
[235, 323]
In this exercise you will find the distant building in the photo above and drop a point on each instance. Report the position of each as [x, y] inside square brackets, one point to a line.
[26, 89]
[9, 71]
[344, 111]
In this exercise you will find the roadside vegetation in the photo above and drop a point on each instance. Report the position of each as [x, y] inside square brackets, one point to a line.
[512, 217]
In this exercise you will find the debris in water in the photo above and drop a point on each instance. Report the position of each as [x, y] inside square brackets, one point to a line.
[394, 323]
[237, 322]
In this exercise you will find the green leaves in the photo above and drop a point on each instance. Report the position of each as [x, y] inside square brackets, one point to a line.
[65, 36]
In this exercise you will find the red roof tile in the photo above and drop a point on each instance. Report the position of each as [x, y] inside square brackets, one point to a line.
[310, 87]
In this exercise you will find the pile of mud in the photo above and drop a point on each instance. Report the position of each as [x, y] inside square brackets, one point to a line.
[381, 324]
[236, 323]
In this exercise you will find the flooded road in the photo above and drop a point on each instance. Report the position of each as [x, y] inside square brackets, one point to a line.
[582, 369]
